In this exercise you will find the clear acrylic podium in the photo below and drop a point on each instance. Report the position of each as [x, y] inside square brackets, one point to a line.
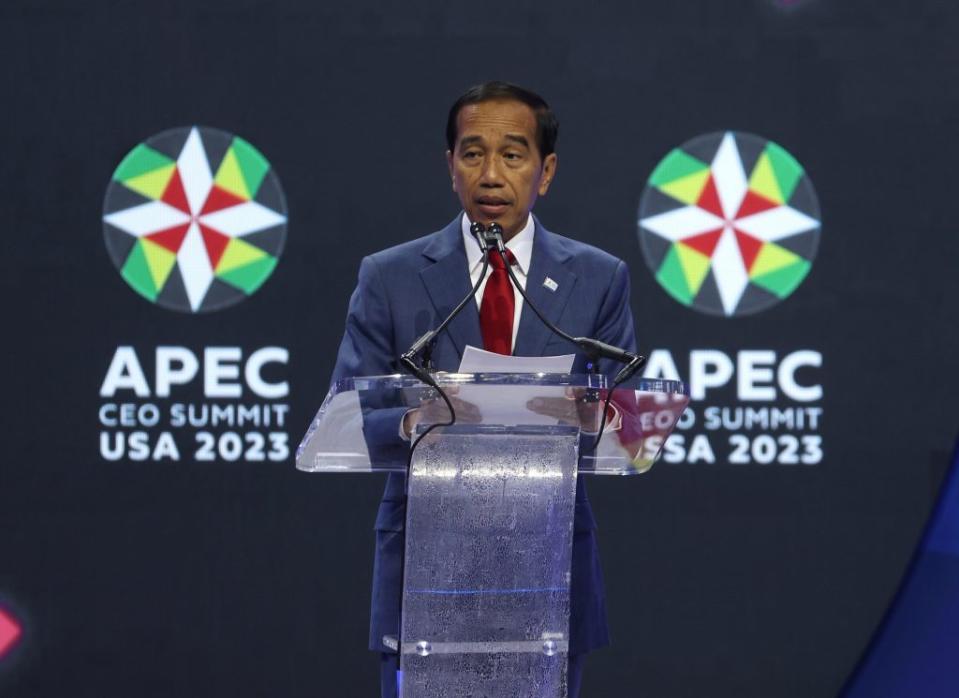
[489, 519]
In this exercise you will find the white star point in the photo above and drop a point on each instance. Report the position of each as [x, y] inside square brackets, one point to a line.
[732, 278]
[195, 267]
[194, 171]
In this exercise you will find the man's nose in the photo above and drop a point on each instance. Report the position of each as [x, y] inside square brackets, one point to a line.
[491, 174]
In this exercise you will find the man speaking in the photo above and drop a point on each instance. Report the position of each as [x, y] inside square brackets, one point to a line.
[501, 156]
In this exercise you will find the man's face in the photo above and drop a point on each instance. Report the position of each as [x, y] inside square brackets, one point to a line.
[496, 166]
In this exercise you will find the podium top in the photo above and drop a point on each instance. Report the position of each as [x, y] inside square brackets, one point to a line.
[357, 428]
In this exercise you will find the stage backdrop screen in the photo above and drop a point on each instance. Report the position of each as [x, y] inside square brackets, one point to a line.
[188, 190]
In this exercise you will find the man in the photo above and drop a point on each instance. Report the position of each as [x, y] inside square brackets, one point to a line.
[501, 157]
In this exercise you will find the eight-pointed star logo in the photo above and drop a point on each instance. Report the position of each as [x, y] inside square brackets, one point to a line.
[194, 219]
[729, 223]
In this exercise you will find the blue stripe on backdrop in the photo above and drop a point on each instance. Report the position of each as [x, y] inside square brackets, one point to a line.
[915, 651]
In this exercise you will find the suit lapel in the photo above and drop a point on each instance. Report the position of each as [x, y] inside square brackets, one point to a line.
[548, 263]
[447, 283]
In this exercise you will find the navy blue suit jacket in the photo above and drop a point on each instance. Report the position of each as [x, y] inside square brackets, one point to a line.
[404, 291]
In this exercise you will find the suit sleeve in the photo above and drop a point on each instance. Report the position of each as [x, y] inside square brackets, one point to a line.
[614, 321]
[367, 345]
[367, 350]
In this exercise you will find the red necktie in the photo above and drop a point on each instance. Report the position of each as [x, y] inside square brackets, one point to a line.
[496, 310]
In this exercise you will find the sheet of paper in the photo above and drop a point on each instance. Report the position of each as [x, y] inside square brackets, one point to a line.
[482, 361]
[511, 404]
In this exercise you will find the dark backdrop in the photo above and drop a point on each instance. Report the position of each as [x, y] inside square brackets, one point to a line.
[250, 579]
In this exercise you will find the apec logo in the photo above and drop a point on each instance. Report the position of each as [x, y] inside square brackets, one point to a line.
[729, 224]
[194, 219]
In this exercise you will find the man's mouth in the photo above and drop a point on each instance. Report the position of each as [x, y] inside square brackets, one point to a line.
[492, 205]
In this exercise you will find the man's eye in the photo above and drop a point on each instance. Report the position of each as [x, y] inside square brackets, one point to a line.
[470, 155]
[512, 156]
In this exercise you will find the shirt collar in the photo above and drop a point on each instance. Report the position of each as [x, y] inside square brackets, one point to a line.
[521, 245]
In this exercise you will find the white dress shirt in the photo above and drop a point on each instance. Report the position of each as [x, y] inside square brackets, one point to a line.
[521, 245]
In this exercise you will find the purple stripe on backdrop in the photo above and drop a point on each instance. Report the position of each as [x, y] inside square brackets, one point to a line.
[913, 653]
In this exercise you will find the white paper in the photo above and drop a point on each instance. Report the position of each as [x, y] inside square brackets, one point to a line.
[510, 403]
[482, 361]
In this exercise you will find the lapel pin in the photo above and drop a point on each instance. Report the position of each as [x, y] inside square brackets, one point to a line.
[550, 284]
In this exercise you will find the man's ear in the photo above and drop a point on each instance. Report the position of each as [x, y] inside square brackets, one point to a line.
[549, 173]
[449, 166]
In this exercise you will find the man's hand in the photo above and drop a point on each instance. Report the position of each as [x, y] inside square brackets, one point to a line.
[579, 407]
[434, 410]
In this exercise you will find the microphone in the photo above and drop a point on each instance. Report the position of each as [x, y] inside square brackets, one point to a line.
[426, 342]
[593, 347]
[483, 237]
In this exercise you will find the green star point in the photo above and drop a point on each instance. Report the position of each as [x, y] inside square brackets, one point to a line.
[136, 272]
[674, 166]
[252, 164]
[784, 281]
[672, 277]
[788, 172]
[250, 277]
[139, 161]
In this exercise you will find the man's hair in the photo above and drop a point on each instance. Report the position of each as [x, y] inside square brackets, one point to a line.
[547, 127]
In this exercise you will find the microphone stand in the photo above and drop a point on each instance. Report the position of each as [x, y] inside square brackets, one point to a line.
[593, 347]
[425, 344]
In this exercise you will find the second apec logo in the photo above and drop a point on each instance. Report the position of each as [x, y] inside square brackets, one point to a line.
[729, 223]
